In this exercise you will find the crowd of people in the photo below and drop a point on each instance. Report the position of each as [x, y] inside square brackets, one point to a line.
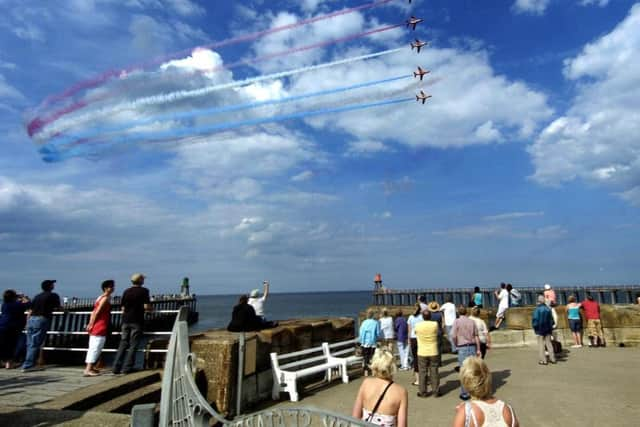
[420, 340]
[19, 314]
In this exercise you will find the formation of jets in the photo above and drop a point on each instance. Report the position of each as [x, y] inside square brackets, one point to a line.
[413, 21]
[422, 96]
[420, 72]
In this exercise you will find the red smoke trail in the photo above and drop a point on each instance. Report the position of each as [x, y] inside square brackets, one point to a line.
[39, 122]
[95, 81]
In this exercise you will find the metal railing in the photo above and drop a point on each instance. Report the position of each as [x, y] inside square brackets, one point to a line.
[182, 404]
[614, 294]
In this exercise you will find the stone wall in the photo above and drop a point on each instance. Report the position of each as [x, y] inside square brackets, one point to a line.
[621, 325]
[217, 357]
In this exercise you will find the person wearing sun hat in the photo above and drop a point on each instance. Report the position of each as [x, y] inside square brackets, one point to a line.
[436, 316]
[135, 301]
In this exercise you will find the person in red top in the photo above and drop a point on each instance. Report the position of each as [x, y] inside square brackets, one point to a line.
[98, 327]
[594, 326]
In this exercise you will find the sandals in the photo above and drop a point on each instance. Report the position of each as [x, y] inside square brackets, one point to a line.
[90, 374]
[542, 363]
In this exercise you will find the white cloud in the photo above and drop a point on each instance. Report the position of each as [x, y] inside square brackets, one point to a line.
[601, 3]
[534, 7]
[597, 138]
[475, 107]
[302, 176]
[484, 231]
[364, 148]
[9, 92]
[512, 215]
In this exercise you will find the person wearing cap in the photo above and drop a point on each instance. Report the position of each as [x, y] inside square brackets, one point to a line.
[42, 308]
[134, 302]
[257, 301]
[549, 294]
[98, 327]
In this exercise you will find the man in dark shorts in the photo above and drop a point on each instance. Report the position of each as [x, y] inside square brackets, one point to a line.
[39, 322]
[135, 301]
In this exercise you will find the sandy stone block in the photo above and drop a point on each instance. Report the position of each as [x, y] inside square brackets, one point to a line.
[505, 338]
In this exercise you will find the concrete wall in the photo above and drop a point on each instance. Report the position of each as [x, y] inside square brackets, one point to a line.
[217, 357]
[621, 325]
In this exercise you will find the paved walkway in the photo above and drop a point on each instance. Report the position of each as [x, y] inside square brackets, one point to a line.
[590, 387]
[33, 388]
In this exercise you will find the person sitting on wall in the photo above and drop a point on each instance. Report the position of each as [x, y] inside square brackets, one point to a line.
[257, 301]
[244, 318]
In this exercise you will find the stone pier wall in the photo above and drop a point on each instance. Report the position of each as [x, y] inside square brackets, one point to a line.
[217, 357]
[621, 325]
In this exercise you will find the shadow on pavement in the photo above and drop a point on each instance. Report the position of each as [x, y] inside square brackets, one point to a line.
[499, 378]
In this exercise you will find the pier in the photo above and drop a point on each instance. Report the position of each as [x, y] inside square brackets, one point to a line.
[609, 294]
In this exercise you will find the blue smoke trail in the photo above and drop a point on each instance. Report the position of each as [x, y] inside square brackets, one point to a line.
[51, 154]
[215, 110]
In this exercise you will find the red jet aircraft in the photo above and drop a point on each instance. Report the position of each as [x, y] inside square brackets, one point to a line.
[418, 44]
[413, 21]
[420, 72]
[423, 96]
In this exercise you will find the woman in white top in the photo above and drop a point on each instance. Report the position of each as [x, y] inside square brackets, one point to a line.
[483, 332]
[413, 320]
[386, 327]
[483, 410]
[380, 401]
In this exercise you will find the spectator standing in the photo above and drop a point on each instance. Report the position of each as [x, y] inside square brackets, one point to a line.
[483, 332]
[594, 325]
[39, 322]
[449, 311]
[257, 301]
[483, 409]
[575, 322]
[380, 401]
[387, 328]
[422, 300]
[436, 316]
[465, 335]
[98, 327]
[402, 339]
[476, 297]
[514, 296]
[12, 322]
[368, 336]
[427, 336]
[134, 302]
[549, 294]
[503, 304]
[413, 321]
[542, 323]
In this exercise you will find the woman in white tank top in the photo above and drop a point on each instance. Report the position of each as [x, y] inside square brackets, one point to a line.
[483, 410]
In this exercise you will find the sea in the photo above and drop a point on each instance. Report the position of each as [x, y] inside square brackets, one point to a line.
[215, 310]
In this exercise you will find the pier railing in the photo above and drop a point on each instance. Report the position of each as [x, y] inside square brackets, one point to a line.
[615, 294]
[182, 404]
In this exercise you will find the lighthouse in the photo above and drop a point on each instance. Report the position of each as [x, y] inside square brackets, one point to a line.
[377, 282]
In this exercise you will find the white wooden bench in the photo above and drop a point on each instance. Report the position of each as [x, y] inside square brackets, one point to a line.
[304, 363]
[343, 352]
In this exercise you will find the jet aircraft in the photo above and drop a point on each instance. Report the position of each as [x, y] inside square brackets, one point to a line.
[422, 97]
[418, 44]
[413, 21]
[420, 72]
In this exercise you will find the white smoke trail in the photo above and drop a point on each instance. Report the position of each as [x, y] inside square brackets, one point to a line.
[63, 124]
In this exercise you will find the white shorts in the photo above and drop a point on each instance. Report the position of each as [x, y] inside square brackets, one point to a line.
[96, 344]
[501, 312]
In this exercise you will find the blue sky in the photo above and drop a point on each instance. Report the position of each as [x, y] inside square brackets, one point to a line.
[524, 166]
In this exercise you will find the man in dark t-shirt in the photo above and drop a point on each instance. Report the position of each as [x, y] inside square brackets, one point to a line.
[135, 301]
[42, 308]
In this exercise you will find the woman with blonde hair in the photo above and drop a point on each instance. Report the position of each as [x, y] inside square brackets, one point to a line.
[483, 410]
[380, 401]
